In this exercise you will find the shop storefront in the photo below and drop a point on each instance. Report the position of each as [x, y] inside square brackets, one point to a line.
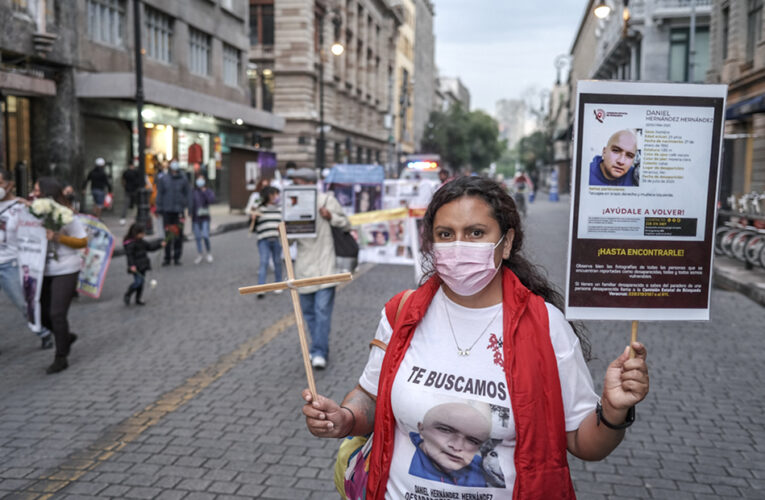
[200, 143]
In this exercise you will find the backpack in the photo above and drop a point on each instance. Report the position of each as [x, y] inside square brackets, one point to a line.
[352, 462]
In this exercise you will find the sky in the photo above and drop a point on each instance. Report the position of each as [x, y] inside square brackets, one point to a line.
[501, 48]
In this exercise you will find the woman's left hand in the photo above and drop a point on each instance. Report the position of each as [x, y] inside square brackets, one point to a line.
[626, 382]
[51, 235]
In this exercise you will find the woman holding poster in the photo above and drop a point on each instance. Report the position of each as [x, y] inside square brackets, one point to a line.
[61, 273]
[482, 388]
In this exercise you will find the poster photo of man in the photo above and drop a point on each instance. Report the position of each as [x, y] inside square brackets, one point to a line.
[619, 161]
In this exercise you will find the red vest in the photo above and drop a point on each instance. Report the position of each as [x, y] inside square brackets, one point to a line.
[540, 451]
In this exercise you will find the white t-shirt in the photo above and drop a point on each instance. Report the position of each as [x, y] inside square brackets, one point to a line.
[455, 432]
[9, 222]
[69, 260]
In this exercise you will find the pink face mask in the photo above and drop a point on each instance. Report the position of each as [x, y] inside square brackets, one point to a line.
[466, 267]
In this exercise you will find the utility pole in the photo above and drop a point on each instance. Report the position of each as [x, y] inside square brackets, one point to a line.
[142, 215]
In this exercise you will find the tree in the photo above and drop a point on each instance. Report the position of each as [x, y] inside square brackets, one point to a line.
[463, 138]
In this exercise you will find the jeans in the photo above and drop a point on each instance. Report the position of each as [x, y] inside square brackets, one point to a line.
[56, 296]
[317, 312]
[174, 246]
[137, 283]
[11, 283]
[269, 248]
[201, 229]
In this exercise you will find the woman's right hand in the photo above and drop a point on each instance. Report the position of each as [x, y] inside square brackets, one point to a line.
[324, 417]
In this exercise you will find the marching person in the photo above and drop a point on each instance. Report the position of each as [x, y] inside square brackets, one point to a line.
[172, 201]
[132, 183]
[267, 218]
[201, 199]
[482, 375]
[100, 185]
[10, 211]
[60, 276]
[137, 252]
[316, 257]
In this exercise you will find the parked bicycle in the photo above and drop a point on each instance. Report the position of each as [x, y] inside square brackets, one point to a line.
[743, 236]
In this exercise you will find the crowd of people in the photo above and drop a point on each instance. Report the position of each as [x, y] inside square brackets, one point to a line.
[175, 199]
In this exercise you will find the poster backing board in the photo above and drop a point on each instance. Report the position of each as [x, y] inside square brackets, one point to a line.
[640, 245]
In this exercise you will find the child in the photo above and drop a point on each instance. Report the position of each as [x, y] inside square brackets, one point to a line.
[136, 250]
[267, 219]
[447, 446]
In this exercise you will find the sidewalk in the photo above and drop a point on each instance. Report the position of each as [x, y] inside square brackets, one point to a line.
[730, 274]
[221, 221]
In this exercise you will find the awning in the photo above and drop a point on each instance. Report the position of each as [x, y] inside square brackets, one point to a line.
[744, 108]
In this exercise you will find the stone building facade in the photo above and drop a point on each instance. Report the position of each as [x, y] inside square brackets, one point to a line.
[195, 85]
[424, 68]
[356, 85]
[404, 78]
[738, 59]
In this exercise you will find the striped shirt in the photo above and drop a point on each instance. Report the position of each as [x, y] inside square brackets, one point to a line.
[267, 225]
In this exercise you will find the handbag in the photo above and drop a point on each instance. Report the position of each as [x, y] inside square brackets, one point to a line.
[345, 243]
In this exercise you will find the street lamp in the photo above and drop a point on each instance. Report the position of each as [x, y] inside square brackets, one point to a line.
[602, 10]
[336, 49]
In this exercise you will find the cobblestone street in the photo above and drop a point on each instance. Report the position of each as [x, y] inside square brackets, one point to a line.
[197, 394]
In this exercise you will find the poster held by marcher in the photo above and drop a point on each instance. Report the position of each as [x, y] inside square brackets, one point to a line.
[299, 211]
[645, 173]
[96, 257]
[294, 285]
[33, 248]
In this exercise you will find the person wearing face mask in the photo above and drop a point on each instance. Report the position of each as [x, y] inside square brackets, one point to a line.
[173, 195]
[11, 210]
[485, 326]
[201, 199]
[267, 218]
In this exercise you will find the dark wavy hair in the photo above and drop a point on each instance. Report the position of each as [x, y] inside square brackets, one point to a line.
[506, 214]
[265, 194]
[50, 187]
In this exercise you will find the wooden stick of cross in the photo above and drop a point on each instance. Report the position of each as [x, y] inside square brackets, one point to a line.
[293, 285]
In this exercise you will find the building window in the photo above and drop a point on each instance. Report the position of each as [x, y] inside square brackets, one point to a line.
[106, 21]
[159, 35]
[261, 22]
[252, 83]
[679, 53]
[753, 27]
[725, 31]
[337, 155]
[267, 86]
[231, 65]
[359, 154]
[199, 52]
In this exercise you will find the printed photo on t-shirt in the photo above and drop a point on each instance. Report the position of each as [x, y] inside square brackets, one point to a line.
[453, 444]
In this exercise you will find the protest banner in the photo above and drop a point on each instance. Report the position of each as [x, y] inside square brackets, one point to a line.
[96, 257]
[33, 249]
[358, 188]
[645, 172]
[299, 211]
[384, 236]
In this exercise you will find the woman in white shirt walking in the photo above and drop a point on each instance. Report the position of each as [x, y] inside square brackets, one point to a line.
[60, 276]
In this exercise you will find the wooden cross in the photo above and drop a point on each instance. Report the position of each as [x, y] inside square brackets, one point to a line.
[293, 285]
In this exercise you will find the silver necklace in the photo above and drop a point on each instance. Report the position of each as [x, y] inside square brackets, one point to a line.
[466, 352]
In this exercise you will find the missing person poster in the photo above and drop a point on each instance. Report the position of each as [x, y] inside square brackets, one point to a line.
[96, 257]
[644, 190]
[299, 211]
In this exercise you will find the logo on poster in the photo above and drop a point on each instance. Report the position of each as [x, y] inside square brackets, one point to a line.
[599, 114]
